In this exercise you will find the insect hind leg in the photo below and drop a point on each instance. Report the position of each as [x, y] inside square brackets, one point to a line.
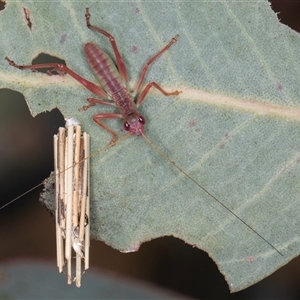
[63, 69]
[151, 60]
[119, 59]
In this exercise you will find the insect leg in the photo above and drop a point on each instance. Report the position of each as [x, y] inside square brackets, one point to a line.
[119, 59]
[94, 101]
[151, 60]
[89, 85]
[107, 116]
[148, 87]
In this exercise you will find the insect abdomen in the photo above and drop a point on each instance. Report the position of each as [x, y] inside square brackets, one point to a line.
[104, 68]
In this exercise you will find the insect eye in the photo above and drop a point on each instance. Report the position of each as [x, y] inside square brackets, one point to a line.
[126, 126]
[142, 120]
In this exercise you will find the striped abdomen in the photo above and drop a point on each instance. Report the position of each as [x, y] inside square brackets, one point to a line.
[104, 69]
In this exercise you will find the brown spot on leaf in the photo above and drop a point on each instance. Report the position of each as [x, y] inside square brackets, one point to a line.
[27, 17]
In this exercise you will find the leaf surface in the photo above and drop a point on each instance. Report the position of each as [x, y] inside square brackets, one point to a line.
[234, 129]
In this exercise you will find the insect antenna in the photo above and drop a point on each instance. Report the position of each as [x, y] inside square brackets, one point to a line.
[206, 191]
[92, 155]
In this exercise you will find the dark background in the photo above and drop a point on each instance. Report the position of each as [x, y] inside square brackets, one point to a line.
[27, 230]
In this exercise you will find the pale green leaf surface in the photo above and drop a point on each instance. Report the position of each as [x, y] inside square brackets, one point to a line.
[234, 128]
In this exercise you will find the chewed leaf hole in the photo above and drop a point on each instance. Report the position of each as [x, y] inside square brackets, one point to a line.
[2, 4]
[43, 58]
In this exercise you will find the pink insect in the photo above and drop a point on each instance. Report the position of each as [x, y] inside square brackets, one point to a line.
[113, 83]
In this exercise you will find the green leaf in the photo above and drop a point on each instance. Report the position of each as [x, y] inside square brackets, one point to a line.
[234, 129]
